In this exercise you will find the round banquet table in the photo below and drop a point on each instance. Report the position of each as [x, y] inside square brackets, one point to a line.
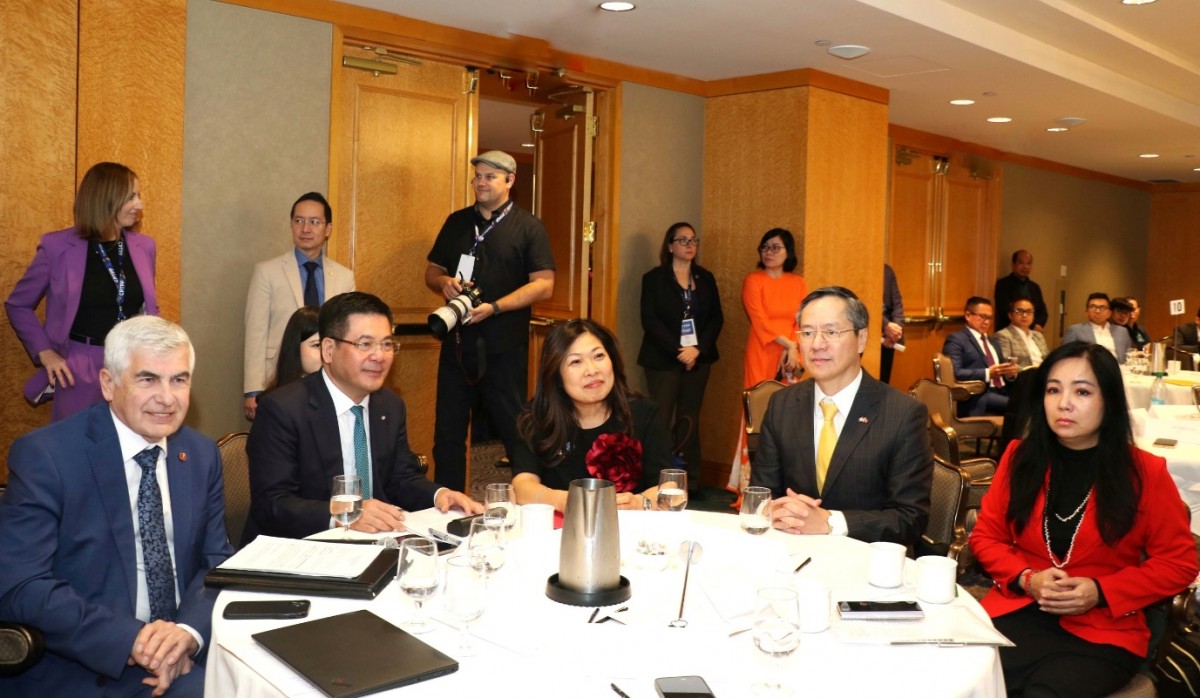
[530, 646]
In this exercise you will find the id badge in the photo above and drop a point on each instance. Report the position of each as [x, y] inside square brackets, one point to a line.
[466, 268]
[687, 334]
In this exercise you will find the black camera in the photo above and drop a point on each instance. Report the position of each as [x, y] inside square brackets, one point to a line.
[447, 317]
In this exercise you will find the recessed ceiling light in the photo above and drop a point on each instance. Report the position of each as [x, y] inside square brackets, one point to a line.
[848, 51]
[999, 119]
[1070, 121]
[962, 102]
[526, 145]
[1196, 169]
[1137, 2]
[1148, 155]
[989, 94]
[617, 6]
[1057, 129]
[823, 42]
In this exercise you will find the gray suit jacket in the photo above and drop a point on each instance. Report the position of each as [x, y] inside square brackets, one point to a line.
[1083, 332]
[882, 467]
[1013, 346]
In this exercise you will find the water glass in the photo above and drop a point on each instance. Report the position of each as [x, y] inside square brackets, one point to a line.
[345, 501]
[464, 598]
[755, 514]
[672, 490]
[500, 501]
[776, 635]
[486, 545]
[418, 577]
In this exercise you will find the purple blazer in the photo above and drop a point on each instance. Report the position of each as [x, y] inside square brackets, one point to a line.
[56, 274]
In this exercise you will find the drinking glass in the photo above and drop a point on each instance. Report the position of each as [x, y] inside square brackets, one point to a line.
[776, 635]
[500, 501]
[485, 545]
[672, 490]
[418, 577]
[755, 515]
[345, 501]
[464, 597]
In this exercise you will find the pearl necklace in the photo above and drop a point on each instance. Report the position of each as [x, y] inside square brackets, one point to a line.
[1046, 528]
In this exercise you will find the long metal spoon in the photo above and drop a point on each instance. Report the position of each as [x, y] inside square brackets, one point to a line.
[694, 552]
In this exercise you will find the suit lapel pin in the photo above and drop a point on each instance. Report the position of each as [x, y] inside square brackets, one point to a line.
[183, 456]
[863, 420]
[383, 417]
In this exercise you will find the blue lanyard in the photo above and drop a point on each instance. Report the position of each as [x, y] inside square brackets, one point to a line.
[495, 222]
[118, 278]
[687, 298]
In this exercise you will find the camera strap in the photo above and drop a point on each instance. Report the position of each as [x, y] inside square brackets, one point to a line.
[481, 361]
[495, 222]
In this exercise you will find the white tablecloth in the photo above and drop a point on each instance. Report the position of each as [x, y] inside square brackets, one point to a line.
[530, 646]
[1137, 388]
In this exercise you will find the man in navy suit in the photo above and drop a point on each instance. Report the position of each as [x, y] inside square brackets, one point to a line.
[844, 454]
[976, 356]
[305, 433]
[110, 521]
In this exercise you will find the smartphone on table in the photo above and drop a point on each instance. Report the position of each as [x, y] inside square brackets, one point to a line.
[683, 687]
[277, 609]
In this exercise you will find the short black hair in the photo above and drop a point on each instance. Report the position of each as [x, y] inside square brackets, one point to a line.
[314, 196]
[335, 314]
[789, 244]
[975, 301]
[856, 311]
[1018, 299]
[1097, 294]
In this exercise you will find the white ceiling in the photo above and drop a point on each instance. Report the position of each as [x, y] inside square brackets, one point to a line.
[1132, 71]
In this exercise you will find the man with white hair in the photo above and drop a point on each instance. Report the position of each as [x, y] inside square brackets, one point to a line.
[110, 521]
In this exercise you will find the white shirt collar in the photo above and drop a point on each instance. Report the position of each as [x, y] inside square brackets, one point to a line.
[341, 401]
[844, 398]
[131, 442]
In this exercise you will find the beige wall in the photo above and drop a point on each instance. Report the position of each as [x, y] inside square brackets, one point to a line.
[256, 137]
[1097, 230]
[662, 167]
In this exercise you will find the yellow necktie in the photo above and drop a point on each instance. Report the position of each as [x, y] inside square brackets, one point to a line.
[827, 442]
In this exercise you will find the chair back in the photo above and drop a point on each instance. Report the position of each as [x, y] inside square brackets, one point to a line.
[754, 403]
[943, 439]
[936, 398]
[235, 466]
[946, 532]
[943, 372]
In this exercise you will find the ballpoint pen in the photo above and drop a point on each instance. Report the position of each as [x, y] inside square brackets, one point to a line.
[445, 537]
[617, 689]
[802, 564]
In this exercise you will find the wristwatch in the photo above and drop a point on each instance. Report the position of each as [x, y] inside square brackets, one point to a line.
[646, 505]
[495, 308]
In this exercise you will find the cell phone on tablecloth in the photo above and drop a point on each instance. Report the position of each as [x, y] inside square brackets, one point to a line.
[279, 609]
[683, 687]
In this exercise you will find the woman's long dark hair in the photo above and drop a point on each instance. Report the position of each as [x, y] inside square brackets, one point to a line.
[288, 367]
[1117, 482]
[550, 421]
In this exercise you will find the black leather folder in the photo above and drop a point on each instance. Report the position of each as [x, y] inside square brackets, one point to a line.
[373, 655]
[365, 586]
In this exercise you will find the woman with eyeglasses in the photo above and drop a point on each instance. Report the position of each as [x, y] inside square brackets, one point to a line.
[1080, 531]
[92, 275]
[681, 320]
[771, 296]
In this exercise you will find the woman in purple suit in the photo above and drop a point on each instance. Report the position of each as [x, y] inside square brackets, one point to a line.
[92, 276]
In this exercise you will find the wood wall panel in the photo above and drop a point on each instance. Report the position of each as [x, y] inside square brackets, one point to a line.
[37, 183]
[414, 377]
[130, 99]
[1174, 248]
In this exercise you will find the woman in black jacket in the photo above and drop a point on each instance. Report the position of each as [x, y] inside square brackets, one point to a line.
[681, 317]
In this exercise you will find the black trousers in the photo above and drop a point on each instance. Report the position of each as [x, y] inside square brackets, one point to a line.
[1049, 661]
[680, 393]
[887, 356]
[502, 391]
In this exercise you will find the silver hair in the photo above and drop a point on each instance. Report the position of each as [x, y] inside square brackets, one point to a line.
[856, 312]
[160, 337]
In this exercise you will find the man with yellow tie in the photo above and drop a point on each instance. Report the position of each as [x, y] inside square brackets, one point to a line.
[843, 453]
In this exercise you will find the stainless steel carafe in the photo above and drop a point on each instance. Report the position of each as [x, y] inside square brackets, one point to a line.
[590, 554]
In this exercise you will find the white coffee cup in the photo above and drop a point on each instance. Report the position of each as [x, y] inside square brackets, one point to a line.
[936, 577]
[537, 519]
[886, 568]
[1174, 366]
[814, 596]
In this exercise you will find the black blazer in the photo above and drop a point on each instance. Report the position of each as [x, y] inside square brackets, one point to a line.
[1008, 289]
[882, 466]
[295, 450]
[662, 314]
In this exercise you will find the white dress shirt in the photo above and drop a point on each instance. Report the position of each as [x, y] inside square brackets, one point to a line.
[844, 399]
[1035, 354]
[989, 349]
[1103, 335]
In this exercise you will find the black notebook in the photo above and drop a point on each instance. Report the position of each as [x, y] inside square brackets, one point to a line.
[365, 586]
[377, 655]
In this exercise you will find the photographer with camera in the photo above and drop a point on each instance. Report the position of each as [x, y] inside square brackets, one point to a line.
[503, 254]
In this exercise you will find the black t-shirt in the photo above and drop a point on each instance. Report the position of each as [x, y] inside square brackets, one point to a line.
[514, 249]
[656, 450]
[97, 312]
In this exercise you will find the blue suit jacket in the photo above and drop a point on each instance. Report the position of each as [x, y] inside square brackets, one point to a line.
[969, 362]
[1083, 332]
[67, 558]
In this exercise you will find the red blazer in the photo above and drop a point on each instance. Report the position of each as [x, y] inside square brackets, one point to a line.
[1156, 559]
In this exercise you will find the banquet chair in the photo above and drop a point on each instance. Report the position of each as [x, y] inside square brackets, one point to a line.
[754, 406]
[979, 473]
[943, 372]
[235, 466]
[946, 533]
[938, 399]
[1170, 656]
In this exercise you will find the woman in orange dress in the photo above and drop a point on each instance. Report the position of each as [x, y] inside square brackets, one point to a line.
[771, 296]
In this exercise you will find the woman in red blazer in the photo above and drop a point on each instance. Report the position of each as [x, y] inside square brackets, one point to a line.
[1080, 531]
[91, 276]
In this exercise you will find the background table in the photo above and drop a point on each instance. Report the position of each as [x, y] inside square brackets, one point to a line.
[1137, 388]
[530, 646]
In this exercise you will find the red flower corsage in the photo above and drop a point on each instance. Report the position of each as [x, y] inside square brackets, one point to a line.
[616, 457]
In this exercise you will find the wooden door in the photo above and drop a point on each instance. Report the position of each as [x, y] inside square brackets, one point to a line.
[399, 163]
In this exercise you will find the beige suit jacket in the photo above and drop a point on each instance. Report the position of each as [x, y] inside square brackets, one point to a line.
[1014, 349]
[276, 292]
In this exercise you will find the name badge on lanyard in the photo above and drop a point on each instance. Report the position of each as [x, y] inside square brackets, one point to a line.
[687, 333]
[466, 267]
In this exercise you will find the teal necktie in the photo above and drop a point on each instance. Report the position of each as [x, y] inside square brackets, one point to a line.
[362, 466]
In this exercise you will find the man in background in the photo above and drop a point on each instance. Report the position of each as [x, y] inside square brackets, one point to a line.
[976, 356]
[1019, 285]
[893, 323]
[1124, 313]
[1098, 329]
[1023, 345]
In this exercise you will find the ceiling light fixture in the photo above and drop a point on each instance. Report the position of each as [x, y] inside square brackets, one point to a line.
[1070, 121]
[527, 145]
[962, 102]
[848, 51]
[1148, 155]
[1057, 129]
[1137, 2]
[617, 6]
[822, 42]
[999, 119]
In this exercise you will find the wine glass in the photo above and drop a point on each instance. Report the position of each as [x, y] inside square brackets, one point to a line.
[464, 597]
[776, 635]
[672, 490]
[345, 501]
[500, 501]
[418, 577]
[485, 545]
[755, 514]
